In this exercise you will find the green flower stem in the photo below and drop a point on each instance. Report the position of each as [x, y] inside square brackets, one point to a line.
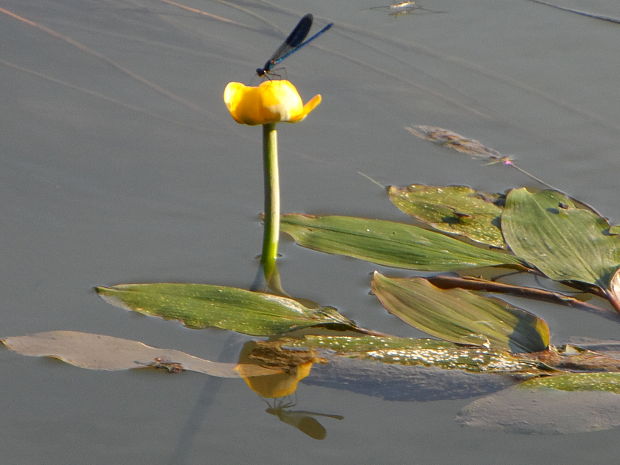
[272, 200]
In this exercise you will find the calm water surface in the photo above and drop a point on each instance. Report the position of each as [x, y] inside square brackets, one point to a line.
[121, 164]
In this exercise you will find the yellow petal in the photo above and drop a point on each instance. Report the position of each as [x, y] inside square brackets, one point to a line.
[270, 102]
[243, 103]
[308, 107]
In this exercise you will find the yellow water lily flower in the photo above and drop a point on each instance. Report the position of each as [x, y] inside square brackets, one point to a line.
[270, 102]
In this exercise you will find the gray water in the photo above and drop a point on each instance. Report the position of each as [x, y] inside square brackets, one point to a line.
[121, 164]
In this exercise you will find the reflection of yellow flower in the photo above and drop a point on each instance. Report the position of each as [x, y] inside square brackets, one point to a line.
[280, 385]
[270, 102]
[294, 365]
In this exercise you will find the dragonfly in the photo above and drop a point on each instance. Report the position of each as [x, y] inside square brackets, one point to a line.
[403, 8]
[293, 43]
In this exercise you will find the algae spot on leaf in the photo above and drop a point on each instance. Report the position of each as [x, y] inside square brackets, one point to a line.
[461, 316]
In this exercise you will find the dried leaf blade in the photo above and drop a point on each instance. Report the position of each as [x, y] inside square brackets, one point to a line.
[101, 352]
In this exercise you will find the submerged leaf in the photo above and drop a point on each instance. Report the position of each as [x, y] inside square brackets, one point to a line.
[563, 240]
[607, 382]
[458, 142]
[542, 411]
[461, 316]
[453, 209]
[100, 352]
[419, 352]
[234, 309]
[389, 243]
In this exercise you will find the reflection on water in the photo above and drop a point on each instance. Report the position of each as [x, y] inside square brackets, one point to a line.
[115, 180]
[296, 365]
[304, 420]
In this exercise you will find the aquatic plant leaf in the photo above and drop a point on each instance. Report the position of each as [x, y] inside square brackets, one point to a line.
[100, 352]
[457, 210]
[234, 309]
[389, 243]
[419, 352]
[607, 382]
[543, 411]
[461, 316]
[563, 240]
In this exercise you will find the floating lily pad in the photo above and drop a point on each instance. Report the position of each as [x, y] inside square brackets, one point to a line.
[234, 309]
[461, 316]
[563, 240]
[457, 210]
[390, 243]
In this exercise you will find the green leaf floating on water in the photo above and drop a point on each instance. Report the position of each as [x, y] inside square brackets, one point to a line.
[608, 382]
[461, 316]
[564, 241]
[419, 352]
[390, 243]
[457, 210]
[204, 305]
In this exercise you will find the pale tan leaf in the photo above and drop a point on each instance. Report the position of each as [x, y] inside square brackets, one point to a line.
[100, 352]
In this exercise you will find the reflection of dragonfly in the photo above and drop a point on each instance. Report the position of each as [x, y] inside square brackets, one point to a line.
[303, 420]
[403, 8]
[471, 147]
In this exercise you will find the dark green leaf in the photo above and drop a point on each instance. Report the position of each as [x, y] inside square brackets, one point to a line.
[457, 210]
[461, 316]
[389, 243]
[203, 305]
